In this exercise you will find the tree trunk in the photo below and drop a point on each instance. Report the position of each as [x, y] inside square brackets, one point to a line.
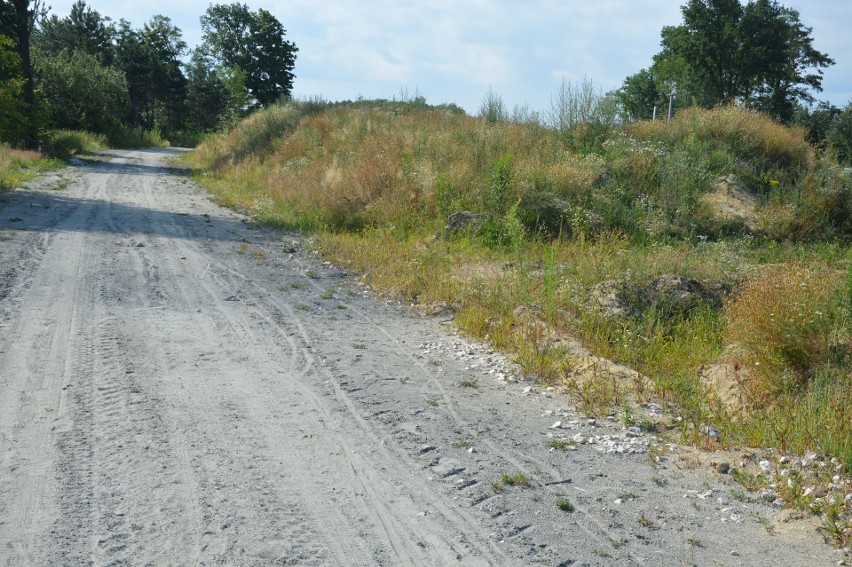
[24, 20]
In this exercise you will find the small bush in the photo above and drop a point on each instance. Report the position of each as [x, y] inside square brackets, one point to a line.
[493, 109]
[127, 137]
[63, 144]
[187, 138]
[583, 116]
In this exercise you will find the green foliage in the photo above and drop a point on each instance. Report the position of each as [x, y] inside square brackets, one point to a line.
[840, 136]
[253, 42]
[11, 90]
[500, 195]
[817, 122]
[759, 52]
[151, 61]
[130, 137]
[445, 197]
[640, 93]
[63, 144]
[216, 96]
[17, 21]
[187, 138]
[165, 78]
[78, 93]
[84, 29]
[492, 108]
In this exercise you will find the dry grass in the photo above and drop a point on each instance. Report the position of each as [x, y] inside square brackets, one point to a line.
[377, 183]
[749, 134]
[789, 318]
[18, 166]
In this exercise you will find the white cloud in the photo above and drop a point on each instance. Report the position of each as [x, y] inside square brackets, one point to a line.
[453, 51]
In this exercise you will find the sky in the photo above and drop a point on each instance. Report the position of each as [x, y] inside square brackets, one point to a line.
[456, 50]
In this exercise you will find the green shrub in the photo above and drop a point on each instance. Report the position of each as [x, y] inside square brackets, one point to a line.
[63, 144]
[840, 136]
[493, 109]
[128, 137]
[187, 138]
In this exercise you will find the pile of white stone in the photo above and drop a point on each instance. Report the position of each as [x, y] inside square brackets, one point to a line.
[477, 357]
[630, 441]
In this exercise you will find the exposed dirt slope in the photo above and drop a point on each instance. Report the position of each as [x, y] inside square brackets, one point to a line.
[179, 387]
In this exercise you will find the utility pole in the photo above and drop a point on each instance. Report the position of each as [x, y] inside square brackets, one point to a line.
[671, 104]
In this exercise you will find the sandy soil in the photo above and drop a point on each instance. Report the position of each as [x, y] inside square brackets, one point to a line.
[181, 387]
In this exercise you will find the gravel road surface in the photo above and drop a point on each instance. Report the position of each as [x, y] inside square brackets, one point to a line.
[179, 386]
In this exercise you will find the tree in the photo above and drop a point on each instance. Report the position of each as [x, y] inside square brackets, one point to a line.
[758, 54]
[83, 29]
[817, 122]
[11, 91]
[640, 93]
[215, 95]
[165, 46]
[840, 136]
[18, 19]
[253, 42]
[79, 93]
[132, 57]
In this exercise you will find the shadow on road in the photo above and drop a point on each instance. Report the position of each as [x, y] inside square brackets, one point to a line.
[42, 211]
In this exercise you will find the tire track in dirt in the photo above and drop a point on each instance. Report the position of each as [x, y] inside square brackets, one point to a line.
[169, 398]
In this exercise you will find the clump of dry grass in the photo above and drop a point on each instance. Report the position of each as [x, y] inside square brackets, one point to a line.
[789, 318]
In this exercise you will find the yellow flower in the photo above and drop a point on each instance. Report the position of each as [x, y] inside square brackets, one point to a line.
[773, 182]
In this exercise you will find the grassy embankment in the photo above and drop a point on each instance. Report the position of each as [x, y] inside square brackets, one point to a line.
[579, 235]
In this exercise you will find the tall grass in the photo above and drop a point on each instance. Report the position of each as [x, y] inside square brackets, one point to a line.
[18, 166]
[556, 219]
[63, 144]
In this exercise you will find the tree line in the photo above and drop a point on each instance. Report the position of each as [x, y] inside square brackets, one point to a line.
[84, 71]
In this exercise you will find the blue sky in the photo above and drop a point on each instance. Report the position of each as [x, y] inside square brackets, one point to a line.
[455, 50]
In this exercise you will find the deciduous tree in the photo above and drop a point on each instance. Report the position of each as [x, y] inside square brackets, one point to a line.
[758, 54]
[11, 91]
[253, 42]
[79, 93]
[18, 19]
[84, 29]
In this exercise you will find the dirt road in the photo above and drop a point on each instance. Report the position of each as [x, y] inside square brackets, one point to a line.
[181, 387]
